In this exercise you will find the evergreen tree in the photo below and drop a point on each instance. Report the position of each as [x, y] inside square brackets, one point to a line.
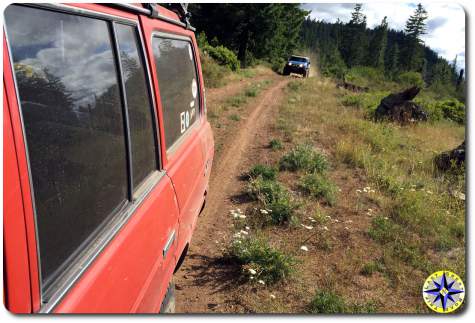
[415, 28]
[378, 44]
[355, 40]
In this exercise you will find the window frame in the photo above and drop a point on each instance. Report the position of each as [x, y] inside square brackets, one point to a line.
[99, 239]
[170, 35]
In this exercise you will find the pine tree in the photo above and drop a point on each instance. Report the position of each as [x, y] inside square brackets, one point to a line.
[415, 28]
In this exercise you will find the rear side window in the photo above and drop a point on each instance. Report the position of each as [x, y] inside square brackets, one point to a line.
[178, 82]
[69, 91]
[141, 121]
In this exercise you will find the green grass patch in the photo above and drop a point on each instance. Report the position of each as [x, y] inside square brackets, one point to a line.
[327, 302]
[269, 264]
[234, 117]
[274, 197]
[276, 144]
[319, 186]
[265, 171]
[304, 157]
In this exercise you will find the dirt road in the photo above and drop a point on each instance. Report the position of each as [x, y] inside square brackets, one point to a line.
[202, 281]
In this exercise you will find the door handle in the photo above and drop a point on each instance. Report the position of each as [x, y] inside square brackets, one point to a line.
[169, 243]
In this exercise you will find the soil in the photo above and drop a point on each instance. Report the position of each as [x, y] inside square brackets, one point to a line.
[203, 282]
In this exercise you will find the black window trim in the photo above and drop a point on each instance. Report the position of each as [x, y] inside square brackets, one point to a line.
[97, 241]
[169, 35]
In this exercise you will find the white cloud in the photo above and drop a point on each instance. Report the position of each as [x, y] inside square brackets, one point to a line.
[446, 22]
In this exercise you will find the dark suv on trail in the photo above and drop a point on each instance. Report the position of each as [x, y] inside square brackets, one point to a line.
[297, 65]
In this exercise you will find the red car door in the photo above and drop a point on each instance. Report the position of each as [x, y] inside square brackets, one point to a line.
[106, 213]
[179, 89]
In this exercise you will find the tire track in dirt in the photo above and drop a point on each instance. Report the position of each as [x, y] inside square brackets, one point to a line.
[201, 282]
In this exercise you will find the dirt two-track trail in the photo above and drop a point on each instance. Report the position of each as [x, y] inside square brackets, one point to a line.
[201, 282]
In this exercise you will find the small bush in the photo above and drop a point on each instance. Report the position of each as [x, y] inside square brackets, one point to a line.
[237, 100]
[234, 117]
[383, 230]
[223, 56]
[271, 265]
[267, 172]
[453, 109]
[251, 92]
[266, 191]
[213, 73]
[294, 85]
[327, 302]
[372, 267]
[275, 144]
[318, 186]
[364, 76]
[408, 79]
[304, 157]
[275, 198]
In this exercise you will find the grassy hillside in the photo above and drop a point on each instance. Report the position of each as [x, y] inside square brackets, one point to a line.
[348, 215]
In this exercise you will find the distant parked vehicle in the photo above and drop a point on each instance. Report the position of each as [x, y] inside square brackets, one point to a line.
[297, 65]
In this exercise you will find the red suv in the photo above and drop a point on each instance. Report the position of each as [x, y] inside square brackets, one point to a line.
[107, 155]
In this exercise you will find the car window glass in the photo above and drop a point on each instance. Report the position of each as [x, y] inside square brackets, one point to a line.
[138, 104]
[178, 85]
[70, 102]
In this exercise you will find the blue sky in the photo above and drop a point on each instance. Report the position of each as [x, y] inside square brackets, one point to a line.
[445, 25]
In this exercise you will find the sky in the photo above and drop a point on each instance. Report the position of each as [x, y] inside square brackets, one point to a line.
[445, 24]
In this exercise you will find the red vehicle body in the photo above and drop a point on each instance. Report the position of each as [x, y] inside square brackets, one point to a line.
[127, 266]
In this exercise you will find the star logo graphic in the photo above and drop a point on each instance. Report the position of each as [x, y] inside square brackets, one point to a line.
[445, 286]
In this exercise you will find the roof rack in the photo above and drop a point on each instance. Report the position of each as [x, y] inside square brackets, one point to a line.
[152, 10]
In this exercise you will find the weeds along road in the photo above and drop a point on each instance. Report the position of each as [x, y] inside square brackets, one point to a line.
[356, 207]
[200, 282]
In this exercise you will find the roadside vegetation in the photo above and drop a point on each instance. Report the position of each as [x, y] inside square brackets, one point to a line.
[334, 203]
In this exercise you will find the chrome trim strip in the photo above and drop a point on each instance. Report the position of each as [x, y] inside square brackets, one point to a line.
[168, 244]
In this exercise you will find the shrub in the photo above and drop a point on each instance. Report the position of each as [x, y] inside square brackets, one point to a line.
[266, 191]
[453, 109]
[408, 79]
[304, 157]
[364, 76]
[274, 197]
[267, 172]
[372, 267]
[275, 144]
[327, 302]
[277, 64]
[223, 56]
[213, 73]
[318, 186]
[270, 265]
[234, 117]
[383, 230]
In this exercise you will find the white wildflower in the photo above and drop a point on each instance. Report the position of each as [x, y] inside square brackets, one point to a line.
[308, 227]
[304, 248]
[264, 211]
[346, 228]
[242, 216]
[358, 191]
[247, 228]
[252, 271]
[272, 296]
[325, 228]
[260, 281]
[244, 232]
